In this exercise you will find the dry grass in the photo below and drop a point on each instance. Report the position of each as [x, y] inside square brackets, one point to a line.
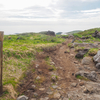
[11, 90]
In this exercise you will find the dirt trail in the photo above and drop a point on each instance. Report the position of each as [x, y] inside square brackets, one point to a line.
[39, 85]
[66, 62]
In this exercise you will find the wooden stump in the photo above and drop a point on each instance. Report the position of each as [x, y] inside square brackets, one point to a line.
[1, 60]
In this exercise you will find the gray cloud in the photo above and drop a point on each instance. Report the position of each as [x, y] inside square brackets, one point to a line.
[61, 15]
[1, 5]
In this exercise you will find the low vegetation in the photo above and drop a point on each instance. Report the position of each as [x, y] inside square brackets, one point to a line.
[82, 78]
[18, 52]
[87, 33]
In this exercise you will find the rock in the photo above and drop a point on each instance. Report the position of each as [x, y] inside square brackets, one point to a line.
[65, 52]
[19, 38]
[57, 95]
[49, 91]
[96, 58]
[35, 94]
[98, 66]
[51, 33]
[33, 86]
[86, 45]
[81, 83]
[88, 68]
[81, 53]
[46, 98]
[64, 43]
[81, 73]
[54, 86]
[96, 34]
[39, 71]
[54, 78]
[38, 78]
[59, 88]
[23, 97]
[86, 60]
[85, 37]
[73, 41]
[65, 98]
[71, 36]
[52, 63]
[72, 55]
[76, 62]
[41, 89]
[91, 76]
[33, 98]
[72, 74]
[74, 84]
[90, 89]
[86, 90]
[80, 68]
[37, 65]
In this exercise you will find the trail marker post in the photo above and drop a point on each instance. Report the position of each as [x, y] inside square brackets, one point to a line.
[1, 60]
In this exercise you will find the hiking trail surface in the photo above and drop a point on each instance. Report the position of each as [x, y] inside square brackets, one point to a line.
[52, 76]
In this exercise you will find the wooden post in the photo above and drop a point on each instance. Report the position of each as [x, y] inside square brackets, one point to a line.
[1, 60]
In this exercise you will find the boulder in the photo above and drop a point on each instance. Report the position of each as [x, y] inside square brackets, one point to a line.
[86, 45]
[96, 58]
[71, 36]
[73, 41]
[23, 97]
[96, 34]
[51, 33]
[57, 95]
[85, 37]
[98, 66]
[74, 84]
[20, 38]
[65, 98]
[81, 53]
[91, 76]
[86, 60]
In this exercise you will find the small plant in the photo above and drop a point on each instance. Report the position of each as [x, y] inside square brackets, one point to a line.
[47, 58]
[82, 78]
[77, 35]
[33, 70]
[39, 81]
[93, 51]
[79, 48]
[54, 78]
[5, 92]
[70, 45]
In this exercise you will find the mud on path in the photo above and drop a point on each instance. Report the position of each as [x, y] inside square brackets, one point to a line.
[44, 80]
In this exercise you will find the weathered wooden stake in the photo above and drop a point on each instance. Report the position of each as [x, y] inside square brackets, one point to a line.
[1, 60]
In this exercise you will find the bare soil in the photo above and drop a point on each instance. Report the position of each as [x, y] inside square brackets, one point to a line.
[66, 65]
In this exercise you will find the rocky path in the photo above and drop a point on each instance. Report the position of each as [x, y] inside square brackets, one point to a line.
[61, 83]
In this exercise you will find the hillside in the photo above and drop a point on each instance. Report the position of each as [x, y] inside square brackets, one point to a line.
[67, 33]
[42, 67]
[18, 52]
[72, 32]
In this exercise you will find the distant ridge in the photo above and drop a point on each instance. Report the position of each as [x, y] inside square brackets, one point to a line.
[66, 33]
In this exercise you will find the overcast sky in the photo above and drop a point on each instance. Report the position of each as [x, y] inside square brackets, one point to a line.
[18, 16]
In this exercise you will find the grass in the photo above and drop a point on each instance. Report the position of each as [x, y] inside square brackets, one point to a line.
[93, 51]
[70, 44]
[87, 33]
[82, 78]
[19, 51]
[77, 48]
